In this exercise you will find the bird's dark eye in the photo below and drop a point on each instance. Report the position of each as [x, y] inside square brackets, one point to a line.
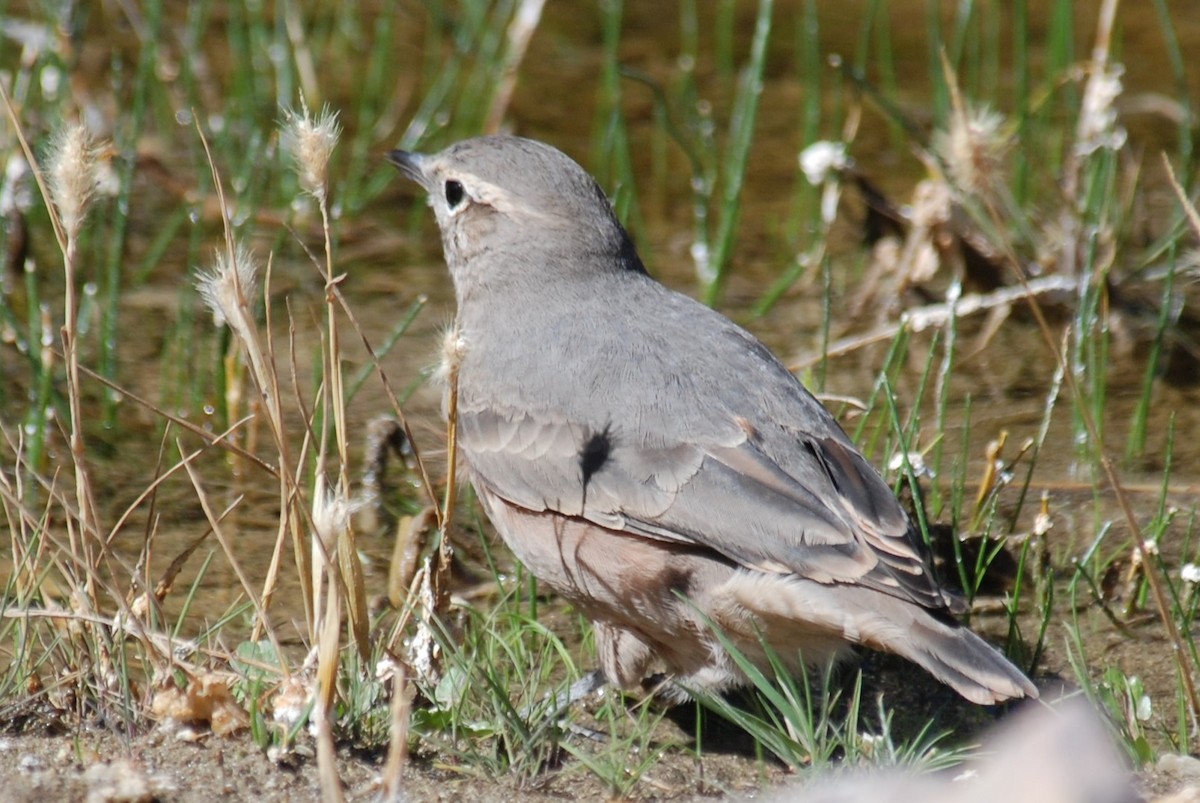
[454, 193]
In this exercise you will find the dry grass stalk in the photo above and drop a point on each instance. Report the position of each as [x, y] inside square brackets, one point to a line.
[67, 184]
[310, 140]
[71, 167]
[262, 366]
[327, 673]
[397, 757]
[938, 315]
[214, 522]
[520, 31]
[441, 586]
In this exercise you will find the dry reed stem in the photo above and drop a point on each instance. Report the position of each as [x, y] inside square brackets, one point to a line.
[397, 756]
[397, 410]
[327, 671]
[520, 30]
[351, 567]
[265, 377]
[936, 315]
[441, 578]
[214, 522]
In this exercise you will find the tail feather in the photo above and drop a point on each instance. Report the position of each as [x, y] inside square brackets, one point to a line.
[967, 663]
[797, 613]
[950, 652]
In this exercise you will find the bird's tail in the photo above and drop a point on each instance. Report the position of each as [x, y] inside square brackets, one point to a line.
[946, 649]
[967, 663]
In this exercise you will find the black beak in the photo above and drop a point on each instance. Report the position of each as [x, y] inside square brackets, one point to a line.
[409, 163]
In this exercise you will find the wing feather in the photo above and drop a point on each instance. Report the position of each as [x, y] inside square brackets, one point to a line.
[822, 512]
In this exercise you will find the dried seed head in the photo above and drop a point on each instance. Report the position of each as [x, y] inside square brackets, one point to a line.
[452, 351]
[71, 171]
[932, 204]
[821, 158]
[1097, 127]
[310, 141]
[330, 514]
[228, 288]
[974, 149]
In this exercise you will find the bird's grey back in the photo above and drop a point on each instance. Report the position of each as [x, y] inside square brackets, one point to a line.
[708, 437]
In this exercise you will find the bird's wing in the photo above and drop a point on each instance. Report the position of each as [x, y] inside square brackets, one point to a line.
[781, 501]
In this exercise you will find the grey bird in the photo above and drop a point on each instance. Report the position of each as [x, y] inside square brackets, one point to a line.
[653, 462]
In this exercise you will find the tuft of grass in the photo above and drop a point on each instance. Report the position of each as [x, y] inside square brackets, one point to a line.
[806, 722]
[489, 712]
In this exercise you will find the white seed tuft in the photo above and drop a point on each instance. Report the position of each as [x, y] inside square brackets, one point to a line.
[310, 141]
[71, 172]
[1097, 126]
[229, 288]
[330, 514]
[454, 347]
[821, 158]
[974, 149]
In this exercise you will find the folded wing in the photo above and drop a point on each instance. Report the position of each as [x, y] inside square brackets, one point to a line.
[770, 498]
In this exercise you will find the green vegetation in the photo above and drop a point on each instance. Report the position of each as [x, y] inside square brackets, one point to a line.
[1016, 341]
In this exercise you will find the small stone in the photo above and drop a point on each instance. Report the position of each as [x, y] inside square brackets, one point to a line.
[1188, 794]
[123, 782]
[1180, 766]
[188, 734]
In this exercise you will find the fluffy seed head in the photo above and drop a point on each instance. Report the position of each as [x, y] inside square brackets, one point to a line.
[821, 158]
[228, 288]
[310, 141]
[974, 150]
[71, 171]
[453, 348]
[330, 514]
[1097, 126]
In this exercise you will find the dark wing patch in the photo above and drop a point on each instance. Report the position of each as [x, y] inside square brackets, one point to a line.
[594, 454]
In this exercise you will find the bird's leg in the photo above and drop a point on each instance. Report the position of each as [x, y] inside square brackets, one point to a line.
[559, 705]
[588, 684]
